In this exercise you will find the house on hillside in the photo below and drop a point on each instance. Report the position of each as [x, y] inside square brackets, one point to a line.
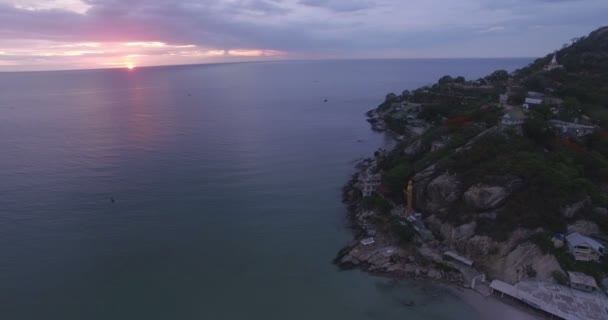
[584, 248]
[369, 183]
[535, 95]
[503, 100]
[410, 107]
[438, 145]
[533, 99]
[581, 281]
[513, 118]
[571, 129]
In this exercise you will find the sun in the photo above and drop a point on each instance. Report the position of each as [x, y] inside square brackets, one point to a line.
[130, 66]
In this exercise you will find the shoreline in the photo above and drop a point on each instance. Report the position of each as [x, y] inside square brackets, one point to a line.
[389, 258]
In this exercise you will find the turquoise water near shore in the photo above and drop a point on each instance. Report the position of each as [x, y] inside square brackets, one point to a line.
[226, 180]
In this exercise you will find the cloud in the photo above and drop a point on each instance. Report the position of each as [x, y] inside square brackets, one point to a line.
[339, 5]
[293, 28]
[34, 5]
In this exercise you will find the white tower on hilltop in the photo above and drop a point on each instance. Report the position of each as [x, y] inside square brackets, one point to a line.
[554, 64]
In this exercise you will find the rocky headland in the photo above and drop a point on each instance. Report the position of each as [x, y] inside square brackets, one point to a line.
[479, 187]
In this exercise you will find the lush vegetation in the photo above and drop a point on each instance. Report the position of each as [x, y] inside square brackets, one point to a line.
[555, 171]
[583, 80]
[545, 170]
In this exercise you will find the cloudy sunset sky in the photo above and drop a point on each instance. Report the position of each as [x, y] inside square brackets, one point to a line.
[75, 34]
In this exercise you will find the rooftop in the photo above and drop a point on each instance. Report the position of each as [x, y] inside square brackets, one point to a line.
[515, 114]
[534, 100]
[535, 95]
[569, 124]
[577, 239]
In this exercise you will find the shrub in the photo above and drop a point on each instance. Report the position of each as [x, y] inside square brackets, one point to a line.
[530, 272]
[543, 241]
[559, 277]
[377, 203]
[404, 232]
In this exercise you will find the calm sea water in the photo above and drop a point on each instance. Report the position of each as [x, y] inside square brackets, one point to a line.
[226, 180]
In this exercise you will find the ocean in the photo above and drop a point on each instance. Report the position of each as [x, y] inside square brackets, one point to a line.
[198, 192]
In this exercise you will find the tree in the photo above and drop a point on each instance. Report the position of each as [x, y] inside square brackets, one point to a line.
[460, 80]
[536, 83]
[405, 95]
[445, 80]
[391, 98]
[497, 76]
[571, 109]
[517, 97]
[397, 177]
[538, 130]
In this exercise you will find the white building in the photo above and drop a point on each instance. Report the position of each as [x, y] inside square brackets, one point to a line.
[369, 183]
[584, 248]
[553, 64]
[513, 118]
[571, 129]
[533, 101]
[503, 99]
[581, 281]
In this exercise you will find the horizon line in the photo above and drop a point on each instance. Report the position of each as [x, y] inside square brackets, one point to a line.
[259, 61]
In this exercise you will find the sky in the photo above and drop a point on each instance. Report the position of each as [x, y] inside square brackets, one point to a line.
[82, 34]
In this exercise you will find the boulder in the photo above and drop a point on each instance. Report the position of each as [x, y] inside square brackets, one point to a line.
[476, 246]
[513, 267]
[484, 197]
[410, 268]
[441, 192]
[421, 181]
[571, 210]
[434, 274]
[464, 232]
[451, 234]
[584, 227]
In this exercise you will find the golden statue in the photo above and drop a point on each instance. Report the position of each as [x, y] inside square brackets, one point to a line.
[409, 196]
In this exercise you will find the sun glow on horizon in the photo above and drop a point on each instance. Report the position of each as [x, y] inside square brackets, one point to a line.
[23, 55]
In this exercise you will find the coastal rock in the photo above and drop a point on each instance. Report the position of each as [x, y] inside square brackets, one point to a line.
[429, 254]
[434, 274]
[449, 233]
[477, 246]
[571, 210]
[394, 268]
[485, 197]
[409, 268]
[584, 227]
